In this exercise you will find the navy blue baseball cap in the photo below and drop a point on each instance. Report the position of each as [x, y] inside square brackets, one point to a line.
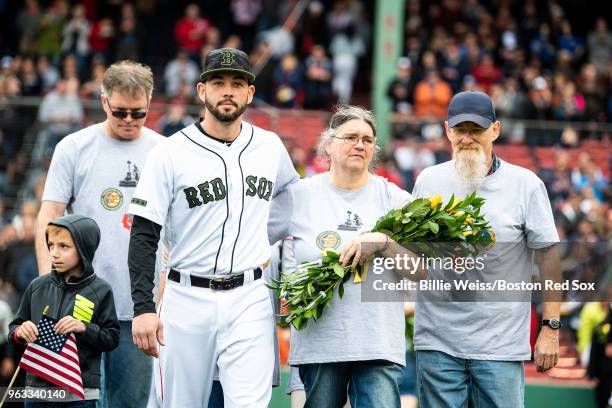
[471, 106]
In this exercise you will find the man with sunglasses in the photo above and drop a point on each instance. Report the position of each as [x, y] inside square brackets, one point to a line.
[94, 172]
[210, 185]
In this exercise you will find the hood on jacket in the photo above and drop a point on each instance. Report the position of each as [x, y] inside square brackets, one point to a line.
[86, 235]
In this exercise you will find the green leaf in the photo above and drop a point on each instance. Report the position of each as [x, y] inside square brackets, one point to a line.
[333, 255]
[338, 270]
[433, 227]
[341, 290]
[450, 202]
[310, 289]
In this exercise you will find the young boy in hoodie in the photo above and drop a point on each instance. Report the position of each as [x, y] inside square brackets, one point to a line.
[81, 301]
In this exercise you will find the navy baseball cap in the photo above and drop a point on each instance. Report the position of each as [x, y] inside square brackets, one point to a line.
[227, 60]
[471, 106]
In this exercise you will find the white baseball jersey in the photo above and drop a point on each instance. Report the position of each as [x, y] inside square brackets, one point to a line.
[214, 199]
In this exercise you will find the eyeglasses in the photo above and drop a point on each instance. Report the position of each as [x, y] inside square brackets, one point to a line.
[122, 114]
[354, 139]
[474, 131]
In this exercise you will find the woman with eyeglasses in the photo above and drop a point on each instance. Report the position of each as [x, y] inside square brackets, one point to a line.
[356, 347]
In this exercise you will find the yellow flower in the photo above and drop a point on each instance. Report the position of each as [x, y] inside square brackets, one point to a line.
[468, 219]
[435, 200]
[466, 233]
[457, 214]
[457, 201]
[605, 329]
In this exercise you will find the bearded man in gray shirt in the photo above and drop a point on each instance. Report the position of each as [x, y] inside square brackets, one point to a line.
[469, 351]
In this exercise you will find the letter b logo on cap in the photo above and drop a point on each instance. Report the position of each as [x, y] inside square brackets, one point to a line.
[227, 58]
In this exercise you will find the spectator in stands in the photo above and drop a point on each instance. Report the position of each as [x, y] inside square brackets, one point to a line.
[60, 112]
[386, 167]
[49, 74]
[571, 214]
[175, 118]
[317, 88]
[179, 71]
[569, 104]
[587, 174]
[190, 31]
[558, 182]
[100, 39]
[600, 366]
[245, 13]
[454, 67]
[510, 100]
[288, 82]
[92, 89]
[70, 68]
[76, 37]
[50, 28]
[591, 87]
[264, 82]
[26, 25]
[20, 261]
[401, 88]
[540, 99]
[542, 46]
[600, 45]
[431, 97]
[569, 42]
[340, 17]
[486, 73]
[3, 216]
[129, 37]
[346, 48]
[31, 84]
[411, 158]
[591, 315]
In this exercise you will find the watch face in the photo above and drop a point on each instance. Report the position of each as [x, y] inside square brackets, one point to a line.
[554, 324]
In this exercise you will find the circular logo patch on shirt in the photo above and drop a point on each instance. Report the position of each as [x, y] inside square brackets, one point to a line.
[489, 234]
[111, 199]
[328, 240]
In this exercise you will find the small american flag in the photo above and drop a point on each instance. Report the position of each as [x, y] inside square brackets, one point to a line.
[54, 358]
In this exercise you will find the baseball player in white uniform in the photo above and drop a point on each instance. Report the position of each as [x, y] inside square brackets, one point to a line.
[210, 186]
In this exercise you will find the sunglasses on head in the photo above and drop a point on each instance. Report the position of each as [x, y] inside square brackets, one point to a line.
[123, 114]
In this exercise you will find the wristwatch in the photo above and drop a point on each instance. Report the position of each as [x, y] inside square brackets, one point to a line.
[552, 323]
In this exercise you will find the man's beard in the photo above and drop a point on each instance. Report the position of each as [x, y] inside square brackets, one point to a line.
[222, 116]
[471, 166]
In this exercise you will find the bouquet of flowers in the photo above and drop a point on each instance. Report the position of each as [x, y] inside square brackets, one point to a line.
[310, 289]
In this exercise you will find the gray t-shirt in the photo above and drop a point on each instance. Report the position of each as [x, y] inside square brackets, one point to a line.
[519, 212]
[320, 217]
[96, 176]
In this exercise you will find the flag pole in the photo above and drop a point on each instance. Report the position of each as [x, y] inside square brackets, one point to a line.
[10, 385]
[45, 312]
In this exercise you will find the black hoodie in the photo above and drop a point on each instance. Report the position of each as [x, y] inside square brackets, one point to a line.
[88, 298]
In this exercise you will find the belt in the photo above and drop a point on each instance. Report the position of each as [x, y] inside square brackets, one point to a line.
[228, 283]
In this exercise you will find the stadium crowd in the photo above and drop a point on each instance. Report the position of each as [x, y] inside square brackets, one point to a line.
[537, 60]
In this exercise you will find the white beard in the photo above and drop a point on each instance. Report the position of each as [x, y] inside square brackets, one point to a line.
[471, 167]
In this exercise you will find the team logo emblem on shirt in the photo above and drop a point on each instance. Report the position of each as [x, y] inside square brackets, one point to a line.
[352, 222]
[132, 176]
[328, 240]
[491, 235]
[111, 198]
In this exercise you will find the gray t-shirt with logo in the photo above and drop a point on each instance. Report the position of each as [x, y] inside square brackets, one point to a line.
[519, 212]
[319, 216]
[96, 176]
